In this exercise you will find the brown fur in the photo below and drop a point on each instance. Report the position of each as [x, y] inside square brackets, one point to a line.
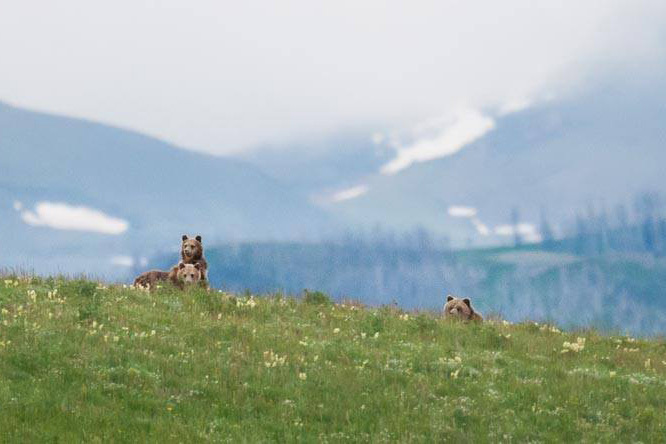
[150, 279]
[461, 309]
[185, 274]
[191, 252]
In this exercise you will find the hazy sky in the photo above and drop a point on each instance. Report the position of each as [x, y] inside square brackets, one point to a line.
[222, 76]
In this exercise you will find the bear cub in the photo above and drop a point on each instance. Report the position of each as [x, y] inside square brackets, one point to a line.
[460, 309]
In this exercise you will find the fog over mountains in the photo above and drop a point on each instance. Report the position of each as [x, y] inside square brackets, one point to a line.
[552, 159]
[77, 195]
[149, 192]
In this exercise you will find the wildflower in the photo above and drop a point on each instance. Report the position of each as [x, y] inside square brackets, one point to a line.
[272, 359]
[363, 335]
[550, 328]
[376, 335]
[336, 330]
[302, 376]
[248, 303]
[573, 346]
[612, 374]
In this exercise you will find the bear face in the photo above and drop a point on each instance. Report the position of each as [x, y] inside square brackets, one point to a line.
[188, 273]
[460, 309]
[191, 249]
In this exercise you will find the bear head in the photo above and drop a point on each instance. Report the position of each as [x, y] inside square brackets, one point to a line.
[188, 273]
[456, 308]
[191, 249]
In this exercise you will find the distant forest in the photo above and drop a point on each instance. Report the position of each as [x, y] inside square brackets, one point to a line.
[640, 228]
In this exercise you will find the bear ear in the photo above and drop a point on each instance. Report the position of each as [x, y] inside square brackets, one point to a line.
[197, 266]
[449, 298]
[467, 302]
[184, 237]
[181, 265]
[198, 238]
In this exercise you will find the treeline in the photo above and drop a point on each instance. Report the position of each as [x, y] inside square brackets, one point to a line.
[636, 228]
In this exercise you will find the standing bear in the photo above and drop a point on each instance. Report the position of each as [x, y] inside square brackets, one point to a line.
[191, 252]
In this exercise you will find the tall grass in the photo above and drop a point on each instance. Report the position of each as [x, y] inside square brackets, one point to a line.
[82, 362]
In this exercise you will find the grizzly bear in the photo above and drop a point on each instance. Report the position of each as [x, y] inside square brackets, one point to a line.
[185, 274]
[179, 276]
[460, 309]
[191, 252]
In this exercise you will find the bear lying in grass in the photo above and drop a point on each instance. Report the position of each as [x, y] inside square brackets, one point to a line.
[191, 252]
[460, 309]
[180, 276]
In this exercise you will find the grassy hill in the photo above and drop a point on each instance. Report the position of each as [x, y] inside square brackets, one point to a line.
[82, 362]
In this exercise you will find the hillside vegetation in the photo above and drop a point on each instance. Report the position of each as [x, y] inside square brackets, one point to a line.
[82, 362]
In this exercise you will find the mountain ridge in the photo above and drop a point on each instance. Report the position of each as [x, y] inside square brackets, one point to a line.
[157, 187]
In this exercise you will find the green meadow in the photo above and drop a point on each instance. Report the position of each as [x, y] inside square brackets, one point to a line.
[84, 362]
